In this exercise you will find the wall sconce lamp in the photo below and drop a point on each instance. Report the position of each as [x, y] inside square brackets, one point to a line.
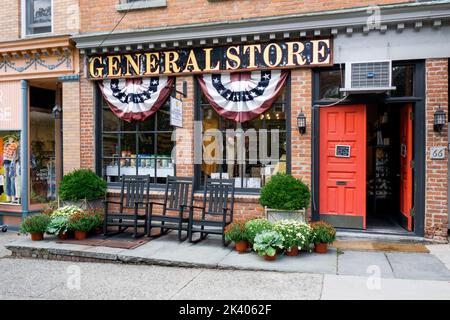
[440, 119]
[301, 123]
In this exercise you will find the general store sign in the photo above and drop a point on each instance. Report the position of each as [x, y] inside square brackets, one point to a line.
[244, 57]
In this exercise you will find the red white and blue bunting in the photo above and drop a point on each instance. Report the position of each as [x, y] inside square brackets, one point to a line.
[136, 99]
[242, 96]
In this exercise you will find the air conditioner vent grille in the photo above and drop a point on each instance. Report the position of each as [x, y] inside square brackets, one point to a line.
[371, 74]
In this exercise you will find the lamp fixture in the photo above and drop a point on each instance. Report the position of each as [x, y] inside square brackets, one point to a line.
[301, 123]
[440, 119]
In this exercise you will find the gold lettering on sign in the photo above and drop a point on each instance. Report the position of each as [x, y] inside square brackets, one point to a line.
[278, 55]
[135, 62]
[96, 72]
[152, 63]
[233, 57]
[170, 60]
[295, 53]
[113, 67]
[252, 48]
[320, 53]
[191, 62]
[208, 66]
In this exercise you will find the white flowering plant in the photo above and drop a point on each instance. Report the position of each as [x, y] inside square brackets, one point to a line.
[295, 233]
[65, 211]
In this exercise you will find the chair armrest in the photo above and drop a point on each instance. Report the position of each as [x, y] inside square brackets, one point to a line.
[158, 203]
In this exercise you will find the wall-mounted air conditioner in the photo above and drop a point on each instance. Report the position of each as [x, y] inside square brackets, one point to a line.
[368, 77]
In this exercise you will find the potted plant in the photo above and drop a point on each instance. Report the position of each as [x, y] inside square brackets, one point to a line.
[59, 223]
[255, 226]
[323, 233]
[59, 226]
[82, 188]
[267, 243]
[235, 232]
[36, 226]
[81, 223]
[97, 216]
[285, 197]
[295, 234]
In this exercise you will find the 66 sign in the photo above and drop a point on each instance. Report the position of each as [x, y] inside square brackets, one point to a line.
[437, 153]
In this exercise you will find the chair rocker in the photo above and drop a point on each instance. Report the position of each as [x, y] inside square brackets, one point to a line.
[216, 211]
[178, 196]
[134, 194]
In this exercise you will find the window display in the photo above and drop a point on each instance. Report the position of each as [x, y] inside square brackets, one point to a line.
[137, 147]
[253, 165]
[10, 179]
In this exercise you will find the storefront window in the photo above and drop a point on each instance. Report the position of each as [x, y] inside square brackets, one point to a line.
[250, 162]
[137, 148]
[403, 80]
[10, 178]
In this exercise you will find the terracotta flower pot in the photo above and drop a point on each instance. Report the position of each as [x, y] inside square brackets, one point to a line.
[321, 247]
[80, 235]
[241, 246]
[63, 236]
[270, 258]
[292, 252]
[37, 236]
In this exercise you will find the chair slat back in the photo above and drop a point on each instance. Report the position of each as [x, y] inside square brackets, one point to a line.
[218, 195]
[179, 191]
[134, 189]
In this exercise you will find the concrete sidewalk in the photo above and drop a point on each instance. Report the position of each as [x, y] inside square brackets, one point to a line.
[212, 255]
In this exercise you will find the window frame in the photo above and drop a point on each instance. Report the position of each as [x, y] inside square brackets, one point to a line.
[25, 4]
[198, 116]
[99, 132]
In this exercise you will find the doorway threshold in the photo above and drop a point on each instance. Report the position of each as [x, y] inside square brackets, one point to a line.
[380, 235]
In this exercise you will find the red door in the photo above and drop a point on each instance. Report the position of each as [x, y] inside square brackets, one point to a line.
[343, 166]
[406, 176]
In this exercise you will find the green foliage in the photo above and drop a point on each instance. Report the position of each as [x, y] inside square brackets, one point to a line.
[323, 232]
[85, 221]
[82, 184]
[295, 233]
[35, 224]
[255, 226]
[235, 231]
[284, 192]
[58, 225]
[267, 243]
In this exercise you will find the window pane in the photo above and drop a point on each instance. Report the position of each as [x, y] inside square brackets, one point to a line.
[148, 124]
[330, 83]
[110, 120]
[128, 126]
[163, 118]
[111, 145]
[38, 16]
[403, 80]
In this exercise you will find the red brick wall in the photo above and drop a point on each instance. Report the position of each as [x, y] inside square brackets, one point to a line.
[436, 207]
[87, 120]
[101, 15]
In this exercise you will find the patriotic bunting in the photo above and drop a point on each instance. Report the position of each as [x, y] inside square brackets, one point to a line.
[136, 99]
[242, 96]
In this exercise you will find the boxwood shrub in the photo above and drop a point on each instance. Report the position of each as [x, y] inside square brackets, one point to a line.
[82, 184]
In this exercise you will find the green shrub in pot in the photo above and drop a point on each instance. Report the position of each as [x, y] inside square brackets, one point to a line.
[284, 192]
[322, 232]
[82, 184]
[36, 224]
